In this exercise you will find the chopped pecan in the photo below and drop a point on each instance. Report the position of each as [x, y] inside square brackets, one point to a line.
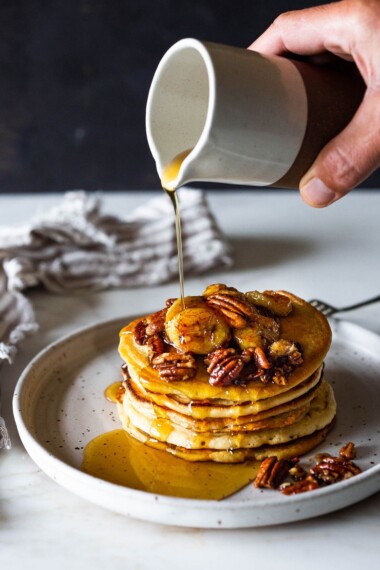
[256, 355]
[333, 469]
[307, 484]
[284, 356]
[224, 366]
[321, 456]
[169, 302]
[174, 366]
[155, 345]
[285, 349]
[156, 323]
[279, 376]
[348, 451]
[297, 473]
[261, 360]
[272, 472]
[139, 332]
[234, 308]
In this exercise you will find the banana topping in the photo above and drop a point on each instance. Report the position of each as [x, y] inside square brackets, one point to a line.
[195, 328]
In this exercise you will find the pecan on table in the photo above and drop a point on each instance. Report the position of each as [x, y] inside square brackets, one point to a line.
[272, 472]
[224, 366]
[173, 366]
[236, 311]
[333, 469]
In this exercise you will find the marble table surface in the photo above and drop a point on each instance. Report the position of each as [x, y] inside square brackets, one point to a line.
[279, 243]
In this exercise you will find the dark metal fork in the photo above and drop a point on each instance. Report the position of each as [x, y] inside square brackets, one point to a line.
[328, 310]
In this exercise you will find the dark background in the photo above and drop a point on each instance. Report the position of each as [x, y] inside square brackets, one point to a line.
[74, 79]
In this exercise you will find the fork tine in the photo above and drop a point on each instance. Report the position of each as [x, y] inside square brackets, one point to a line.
[328, 310]
[324, 308]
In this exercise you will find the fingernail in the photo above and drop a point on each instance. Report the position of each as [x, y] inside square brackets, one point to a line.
[316, 193]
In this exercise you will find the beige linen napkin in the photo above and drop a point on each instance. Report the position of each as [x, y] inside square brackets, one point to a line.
[76, 248]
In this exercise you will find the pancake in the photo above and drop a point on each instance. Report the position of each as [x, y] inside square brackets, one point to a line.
[304, 325]
[293, 448]
[228, 376]
[218, 408]
[319, 414]
[280, 415]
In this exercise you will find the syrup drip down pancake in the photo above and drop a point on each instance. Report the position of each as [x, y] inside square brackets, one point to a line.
[227, 376]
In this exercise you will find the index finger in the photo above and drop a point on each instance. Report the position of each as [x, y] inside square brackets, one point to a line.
[310, 31]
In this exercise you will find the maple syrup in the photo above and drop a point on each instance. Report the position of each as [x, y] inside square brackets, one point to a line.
[112, 391]
[119, 458]
[168, 177]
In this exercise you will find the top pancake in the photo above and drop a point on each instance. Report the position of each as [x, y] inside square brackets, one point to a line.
[304, 325]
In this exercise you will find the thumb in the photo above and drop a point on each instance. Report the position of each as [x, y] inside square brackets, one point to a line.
[347, 159]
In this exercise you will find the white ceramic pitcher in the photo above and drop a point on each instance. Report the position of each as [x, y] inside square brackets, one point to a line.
[245, 116]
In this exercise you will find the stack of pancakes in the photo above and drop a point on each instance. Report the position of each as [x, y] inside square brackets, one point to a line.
[249, 417]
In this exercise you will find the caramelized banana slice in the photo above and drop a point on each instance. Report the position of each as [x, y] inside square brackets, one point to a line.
[248, 337]
[218, 288]
[197, 328]
[259, 332]
[278, 304]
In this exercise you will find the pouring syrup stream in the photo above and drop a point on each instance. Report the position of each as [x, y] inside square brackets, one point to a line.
[169, 175]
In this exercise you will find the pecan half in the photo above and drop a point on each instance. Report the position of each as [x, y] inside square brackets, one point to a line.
[272, 472]
[260, 358]
[234, 308]
[348, 451]
[155, 345]
[307, 484]
[224, 366]
[173, 366]
[139, 332]
[333, 469]
[156, 323]
[297, 473]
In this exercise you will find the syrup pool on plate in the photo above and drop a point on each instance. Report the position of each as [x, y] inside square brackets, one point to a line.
[117, 457]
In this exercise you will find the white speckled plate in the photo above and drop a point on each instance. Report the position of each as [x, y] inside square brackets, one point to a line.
[59, 406]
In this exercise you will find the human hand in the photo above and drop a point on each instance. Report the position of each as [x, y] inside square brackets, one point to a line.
[348, 29]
